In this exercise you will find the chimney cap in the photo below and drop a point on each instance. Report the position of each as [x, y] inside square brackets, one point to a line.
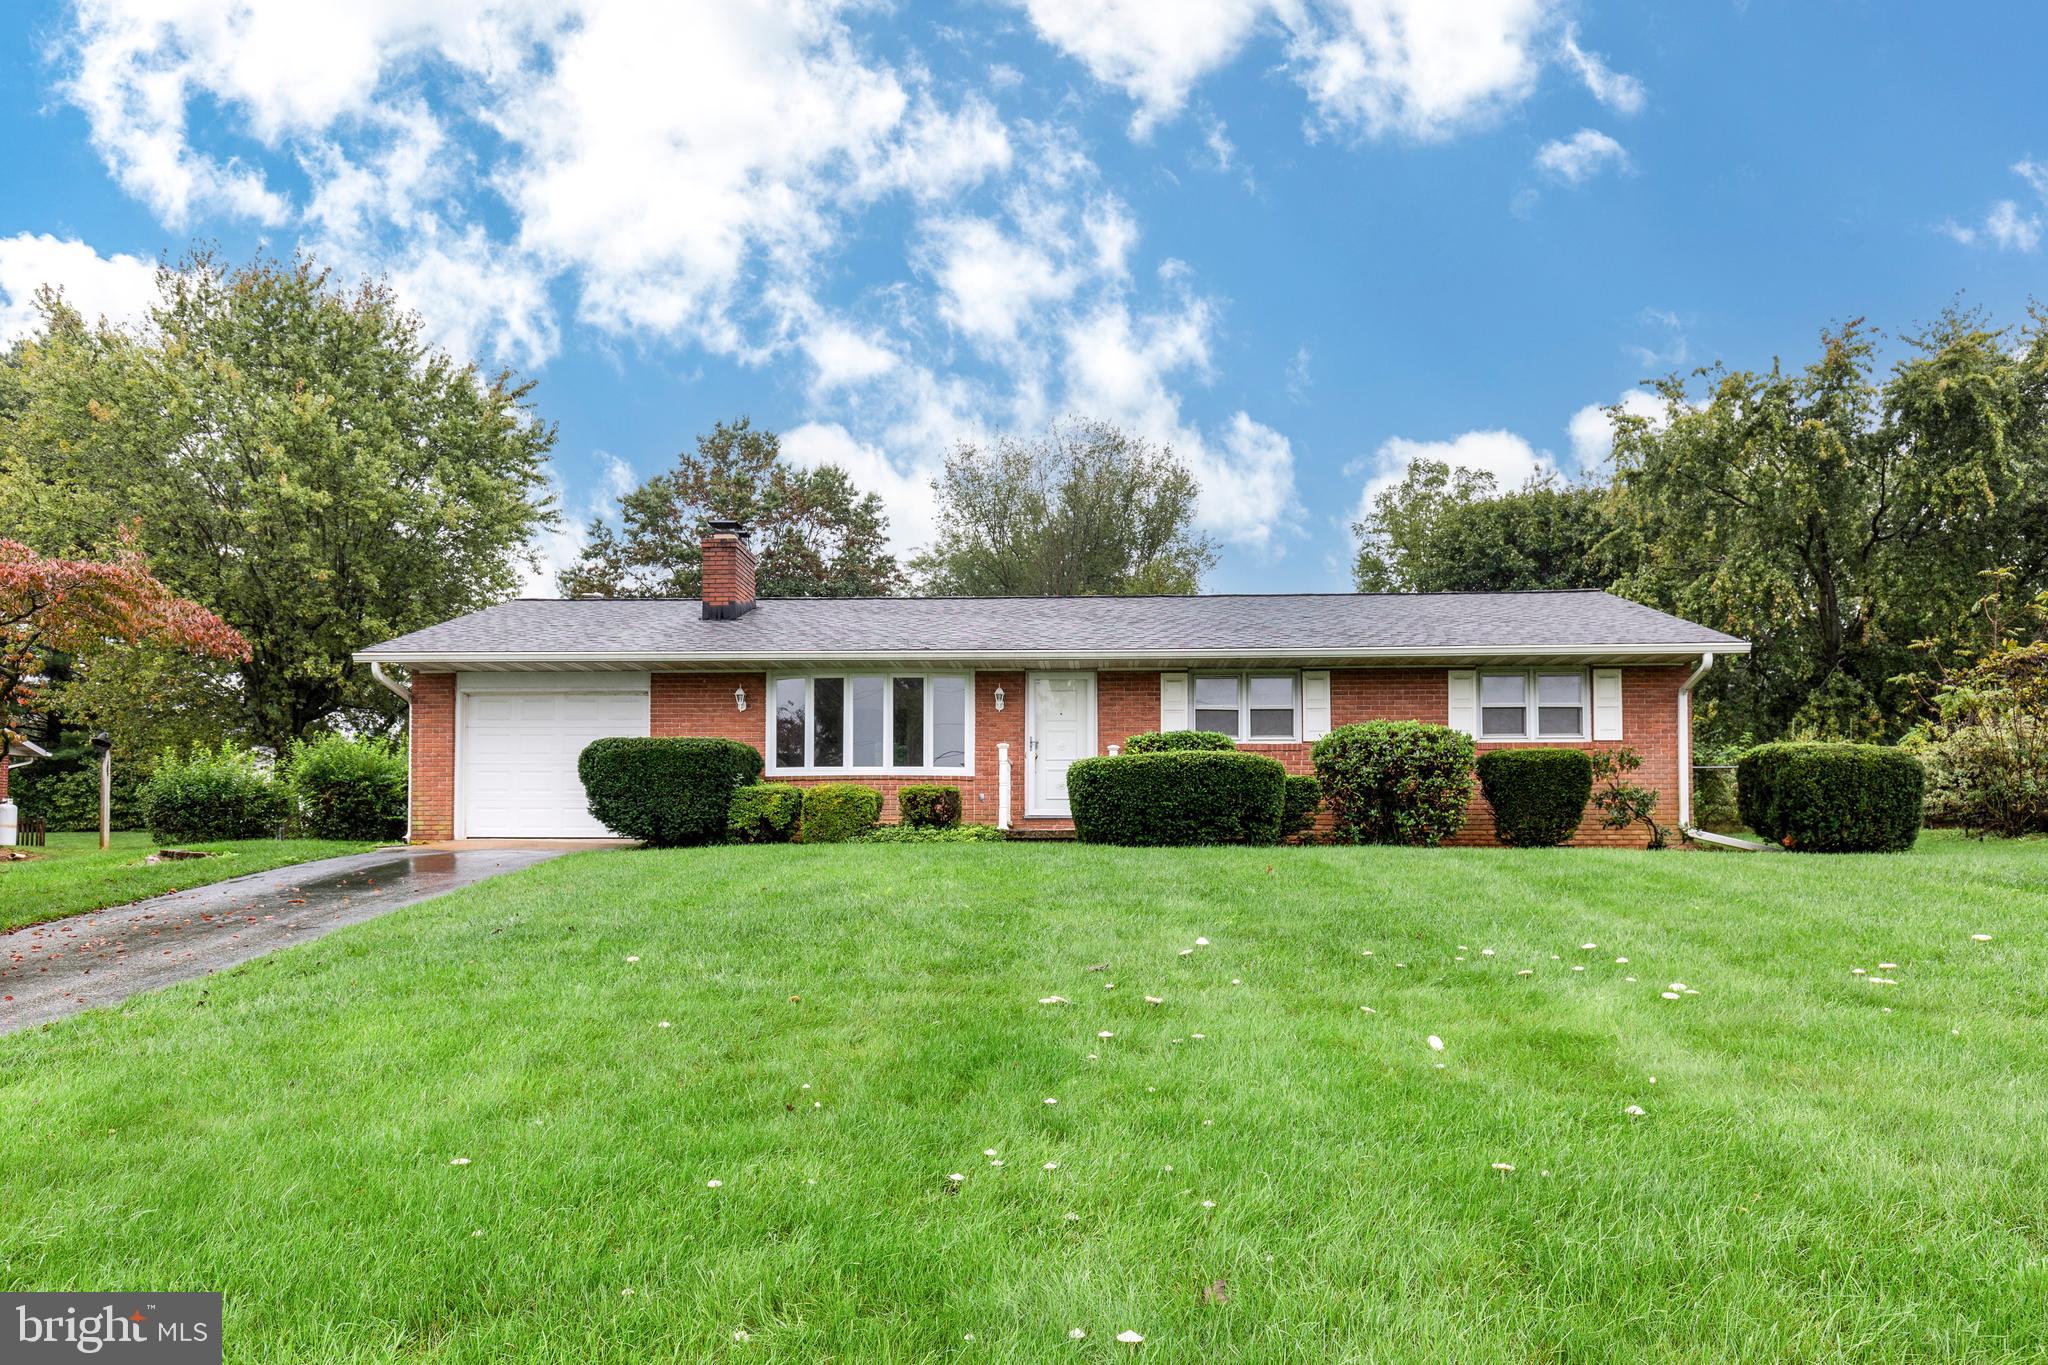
[731, 528]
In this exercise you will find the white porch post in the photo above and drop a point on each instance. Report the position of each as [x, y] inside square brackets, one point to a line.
[1003, 788]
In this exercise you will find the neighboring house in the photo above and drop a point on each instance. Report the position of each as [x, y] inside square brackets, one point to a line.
[999, 695]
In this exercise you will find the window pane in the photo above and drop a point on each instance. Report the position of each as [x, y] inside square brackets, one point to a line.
[1502, 722]
[909, 702]
[1559, 720]
[1272, 724]
[1503, 689]
[828, 747]
[949, 722]
[789, 723]
[1217, 692]
[1560, 689]
[870, 696]
[1274, 693]
[1221, 722]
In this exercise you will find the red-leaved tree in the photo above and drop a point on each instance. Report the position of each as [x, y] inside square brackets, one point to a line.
[75, 606]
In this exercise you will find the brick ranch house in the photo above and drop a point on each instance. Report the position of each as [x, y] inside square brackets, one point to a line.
[999, 695]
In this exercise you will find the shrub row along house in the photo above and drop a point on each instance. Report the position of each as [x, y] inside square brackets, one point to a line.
[998, 696]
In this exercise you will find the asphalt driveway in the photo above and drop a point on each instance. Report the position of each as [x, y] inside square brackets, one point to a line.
[64, 966]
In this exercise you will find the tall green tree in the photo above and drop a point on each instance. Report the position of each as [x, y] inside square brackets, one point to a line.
[296, 458]
[1838, 520]
[815, 534]
[1446, 529]
[1082, 510]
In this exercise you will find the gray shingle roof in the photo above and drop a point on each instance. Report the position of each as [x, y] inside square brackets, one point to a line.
[1332, 625]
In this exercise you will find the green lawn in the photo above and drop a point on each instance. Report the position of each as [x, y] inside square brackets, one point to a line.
[73, 876]
[1825, 1168]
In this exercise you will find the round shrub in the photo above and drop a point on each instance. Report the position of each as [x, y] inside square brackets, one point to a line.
[1538, 795]
[1177, 798]
[929, 806]
[1831, 798]
[667, 793]
[211, 794]
[1298, 807]
[1178, 741]
[349, 788]
[837, 811]
[765, 813]
[1395, 782]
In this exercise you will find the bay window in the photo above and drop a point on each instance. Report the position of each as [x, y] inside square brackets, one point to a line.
[1255, 707]
[870, 723]
[1533, 704]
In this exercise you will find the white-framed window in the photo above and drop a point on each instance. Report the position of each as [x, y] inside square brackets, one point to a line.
[871, 723]
[1251, 708]
[1536, 703]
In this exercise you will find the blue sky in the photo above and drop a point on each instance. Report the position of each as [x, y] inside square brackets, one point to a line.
[1302, 240]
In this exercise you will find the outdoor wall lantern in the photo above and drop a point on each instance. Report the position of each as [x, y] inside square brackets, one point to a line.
[739, 697]
[999, 699]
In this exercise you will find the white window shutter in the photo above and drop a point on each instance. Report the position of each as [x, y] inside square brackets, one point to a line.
[1607, 703]
[1173, 701]
[1315, 703]
[1465, 701]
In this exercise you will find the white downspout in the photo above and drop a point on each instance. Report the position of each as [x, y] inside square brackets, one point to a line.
[404, 691]
[1685, 742]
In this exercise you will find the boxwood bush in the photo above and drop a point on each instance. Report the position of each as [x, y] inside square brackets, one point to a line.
[212, 794]
[926, 834]
[1177, 741]
[765, 813]
[929, 806]
[1177, 798]
[1395, 782]
[349, 788]
[837, 811]
[667, 793]
[1298, 807]
[1831, 798]
[1538, 795]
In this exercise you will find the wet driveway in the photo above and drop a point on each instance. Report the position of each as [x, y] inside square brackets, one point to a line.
[51, 970]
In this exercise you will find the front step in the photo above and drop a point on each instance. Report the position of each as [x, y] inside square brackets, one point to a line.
[1034, 835]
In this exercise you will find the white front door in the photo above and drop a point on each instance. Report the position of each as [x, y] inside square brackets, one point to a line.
[1059, 728]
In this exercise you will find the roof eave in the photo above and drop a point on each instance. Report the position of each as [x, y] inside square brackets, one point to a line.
[771, 658]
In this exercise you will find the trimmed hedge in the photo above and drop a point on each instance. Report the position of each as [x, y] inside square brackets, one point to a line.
[667, 793]
[1395, 781]
[765, 813]
[1298, 807]
[929, 806]
[1538, 795]
[1177, 798]
[349, 788]
[1179, 741]
[212, 794]
[837, 811]
[914, 834]
[1831, 798]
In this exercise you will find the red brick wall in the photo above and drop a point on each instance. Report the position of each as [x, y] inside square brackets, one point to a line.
[1129, 706]
[701, 704]
[433, 757]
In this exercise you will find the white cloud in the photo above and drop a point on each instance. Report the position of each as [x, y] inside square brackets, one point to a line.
[118, 288]
[1421, 68]
[1511, 461]
[1579, 158]
[906, 493]
[1622, 93]
[1592, 429]
[1153, 50]
[2007, 226]
[990, 281]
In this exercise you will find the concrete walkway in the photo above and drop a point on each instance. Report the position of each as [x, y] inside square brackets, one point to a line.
[64, 966]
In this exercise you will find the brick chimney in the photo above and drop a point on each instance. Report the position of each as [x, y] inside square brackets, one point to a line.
[728, 590]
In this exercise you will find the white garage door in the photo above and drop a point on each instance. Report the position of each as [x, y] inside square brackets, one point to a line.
[519, 753]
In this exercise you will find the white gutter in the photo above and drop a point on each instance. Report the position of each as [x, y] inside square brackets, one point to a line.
[1685, 742]
[403, 692]
[780, 657]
